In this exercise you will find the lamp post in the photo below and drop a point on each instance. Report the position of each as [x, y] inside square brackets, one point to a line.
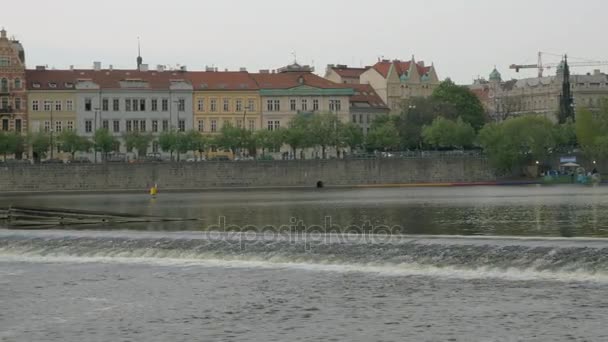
[51, 130]
[94, 131]
[243, 131]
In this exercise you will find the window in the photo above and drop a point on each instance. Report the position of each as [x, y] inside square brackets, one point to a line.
[239, 123]
[213, 105]
[135, 105]
[58, 106]
[17, 83]
[239, 105]
[367, 119]
[18, 103]
[4, 103]
[5, 124]
[226, 106]
[154, 105]
[213, 125]
[142, 126]
[292, 105]
[181, 125]
[35, 105]
[251, 125]
[251, 105]
[105, 105]
[200, 105]
[181, 105]
[5, 61]
[58, 126]
[165, 105]
[127, 105]
[88, 104]
[155, 146]
[4, 85]
[277, 125]
[136, 125]
[18, 125]
[304, 105]
[269, 105]
[48, 105]
[277, 105]
[142, 105]
[360, 118]
[88, 126]
[69, 105]
[154, 126]
[270, 125]
[105, 124]
[70, 125]
[225, 123]
[354, 118]
[129, 126]
[165, 125]
[201, 125]
[335, 105]
[115, 105]
[315, 104]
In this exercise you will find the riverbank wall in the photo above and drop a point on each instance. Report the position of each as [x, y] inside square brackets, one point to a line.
[242, 174]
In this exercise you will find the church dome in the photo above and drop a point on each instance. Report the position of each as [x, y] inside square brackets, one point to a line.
[495, 75]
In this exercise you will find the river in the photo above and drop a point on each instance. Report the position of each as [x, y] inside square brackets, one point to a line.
[405, 264]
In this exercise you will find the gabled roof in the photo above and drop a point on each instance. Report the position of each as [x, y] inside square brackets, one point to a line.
[401, 67]
[365, 94]
[238, 80]
[349, 72]
[289, 80]
[105, 78]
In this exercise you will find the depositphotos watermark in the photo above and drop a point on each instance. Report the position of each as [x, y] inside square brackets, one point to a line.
[297, 231]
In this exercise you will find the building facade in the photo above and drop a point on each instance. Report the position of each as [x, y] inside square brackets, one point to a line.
[504, 99]
[13, 94]
[366, 106]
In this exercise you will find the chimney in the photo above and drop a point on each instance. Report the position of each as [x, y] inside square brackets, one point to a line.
[96, 66]
[226, 70]
[183, 68]
[160, 68]
[264, 71]
[72, 67]
[243, 69]
[596, 72]
[40, 67]
[209, 69]
[421, 63]
[111, 67]
[3, 33]
[143, 67]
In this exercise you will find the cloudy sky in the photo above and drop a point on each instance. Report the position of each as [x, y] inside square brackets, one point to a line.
[464, 38]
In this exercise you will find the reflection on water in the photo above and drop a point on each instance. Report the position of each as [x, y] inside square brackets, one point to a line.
[527, 211]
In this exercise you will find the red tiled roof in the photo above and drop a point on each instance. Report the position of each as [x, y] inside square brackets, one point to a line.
[400, 66]
[107, 79]
[238, 80]
[349, 72]
[288, 80]
[366, 94]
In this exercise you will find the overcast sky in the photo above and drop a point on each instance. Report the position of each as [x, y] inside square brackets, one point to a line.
[464, 38]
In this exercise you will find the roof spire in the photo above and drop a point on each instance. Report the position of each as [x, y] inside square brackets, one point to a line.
[3, 33]
[139, 59]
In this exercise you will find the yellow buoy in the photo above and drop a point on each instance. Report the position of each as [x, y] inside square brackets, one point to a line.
[154, 190]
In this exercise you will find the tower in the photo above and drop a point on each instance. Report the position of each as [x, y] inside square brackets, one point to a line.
[566, 109]
[139, 59]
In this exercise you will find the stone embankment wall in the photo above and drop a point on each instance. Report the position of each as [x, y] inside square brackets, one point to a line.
[243, 174]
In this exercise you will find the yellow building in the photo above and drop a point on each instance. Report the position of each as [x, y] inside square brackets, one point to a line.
[52, 105]
[222, 98]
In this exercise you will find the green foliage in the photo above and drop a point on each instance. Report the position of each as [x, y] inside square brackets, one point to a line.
[444, 133]
[40, 143]
[591, 131]
[383, 136]
[324, 131]
[71, 142]
[231, 137]
[465, 104]
[168, 141]
[297, 135]
[565, 136]
[11, 143]
[138, 141]
[269, 140]
[105, 142]
[517, 141]
[351, 136]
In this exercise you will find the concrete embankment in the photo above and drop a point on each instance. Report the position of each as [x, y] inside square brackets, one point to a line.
[244, 174]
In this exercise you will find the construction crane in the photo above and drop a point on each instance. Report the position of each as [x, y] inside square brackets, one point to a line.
[541, 67]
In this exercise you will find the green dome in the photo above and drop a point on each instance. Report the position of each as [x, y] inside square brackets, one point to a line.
[495, 75]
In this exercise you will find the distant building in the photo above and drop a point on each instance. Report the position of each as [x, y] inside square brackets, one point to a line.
[13, 95]
[394, 81]
[504, 99]
[366, 106]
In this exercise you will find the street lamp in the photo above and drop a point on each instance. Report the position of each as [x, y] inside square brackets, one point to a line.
[51, 129]
[96, 109]
[243, 130]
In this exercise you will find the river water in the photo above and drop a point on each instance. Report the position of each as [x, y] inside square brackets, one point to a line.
[420, 264]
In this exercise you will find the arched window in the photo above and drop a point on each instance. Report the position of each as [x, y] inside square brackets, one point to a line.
[4, 85]
[17, 83]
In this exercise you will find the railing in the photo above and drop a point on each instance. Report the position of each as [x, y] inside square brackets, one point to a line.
[6, 110]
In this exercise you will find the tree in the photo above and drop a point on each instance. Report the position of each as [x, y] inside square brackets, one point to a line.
[71, 142]
[465, 103]
[351, 136]
[297, 135]
[323, 130]
[269, 140]
[168, 141]
[199, 142]
[138, 141]
[445, 134]
[590, 129]
[231, 138]
[383, 136]
[104, 142]
[11, 143]
[40, 143]
[517, 141]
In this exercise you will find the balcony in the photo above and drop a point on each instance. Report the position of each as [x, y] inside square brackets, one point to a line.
[4, 91]
[6, 110]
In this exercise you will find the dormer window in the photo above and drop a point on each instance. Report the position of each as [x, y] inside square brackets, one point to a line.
[300, 80]
[52, 85]
[36, 85]
[69, 85]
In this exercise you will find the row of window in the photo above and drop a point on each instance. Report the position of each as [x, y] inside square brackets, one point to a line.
[58, 126]
[226, 105]
[134, 126]
[213, 124]
[5, 103]
[48, 105]
[5, 85]
[367, 118]
[136, 105]
[275, 105]
[7, 127]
